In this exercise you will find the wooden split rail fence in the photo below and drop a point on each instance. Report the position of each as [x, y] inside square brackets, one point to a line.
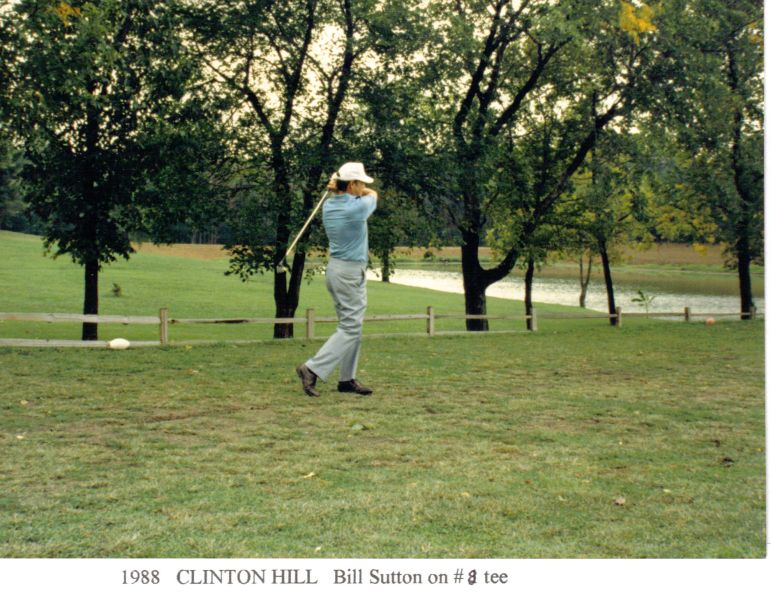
[163, 321]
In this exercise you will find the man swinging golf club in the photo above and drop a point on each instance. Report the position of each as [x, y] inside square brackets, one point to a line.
[345, 217]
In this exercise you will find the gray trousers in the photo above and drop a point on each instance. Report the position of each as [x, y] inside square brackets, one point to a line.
[347, 283]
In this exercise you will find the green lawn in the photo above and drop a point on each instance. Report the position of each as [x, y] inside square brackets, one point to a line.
[30, 282]
[578, 441]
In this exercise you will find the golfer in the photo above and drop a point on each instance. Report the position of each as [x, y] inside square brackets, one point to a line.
[345, 217]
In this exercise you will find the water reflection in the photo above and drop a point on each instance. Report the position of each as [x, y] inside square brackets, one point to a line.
[671, 293]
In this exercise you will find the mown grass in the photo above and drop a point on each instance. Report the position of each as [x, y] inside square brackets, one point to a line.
[578, 441]
[190, 288]
[499, 446]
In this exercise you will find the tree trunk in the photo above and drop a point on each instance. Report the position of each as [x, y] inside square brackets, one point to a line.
[287, 297]
[474, 283]
[282, 289]
[608, 283]
[529, 291]
[740, 176]
[584, 280]
[91, 199]
[386, 260]
[745, 279]
[91, 300]
[284, 310]
[476, 304]
[283, 330]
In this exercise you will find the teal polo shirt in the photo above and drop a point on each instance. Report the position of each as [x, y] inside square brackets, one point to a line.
[345, 221]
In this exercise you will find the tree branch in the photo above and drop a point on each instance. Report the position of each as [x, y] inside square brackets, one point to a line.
[476, 79]
[503, 268]
[586, 145]
[295, 79]
[282, 66]
[339, 94]
[504, 39]
[535, 75]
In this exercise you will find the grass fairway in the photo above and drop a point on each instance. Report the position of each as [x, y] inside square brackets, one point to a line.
[641, 442]
[195, 288]
[578, 441]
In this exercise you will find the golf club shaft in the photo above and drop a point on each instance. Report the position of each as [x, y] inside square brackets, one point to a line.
[304, 227]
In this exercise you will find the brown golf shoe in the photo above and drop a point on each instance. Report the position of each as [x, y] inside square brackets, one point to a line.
[353, 387]
[308, 379]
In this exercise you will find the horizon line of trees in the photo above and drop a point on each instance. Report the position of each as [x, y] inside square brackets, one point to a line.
[528, 126]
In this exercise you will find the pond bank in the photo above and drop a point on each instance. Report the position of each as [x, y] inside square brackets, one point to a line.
[672, 291]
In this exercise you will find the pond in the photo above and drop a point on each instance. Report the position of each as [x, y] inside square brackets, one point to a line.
[671, 291]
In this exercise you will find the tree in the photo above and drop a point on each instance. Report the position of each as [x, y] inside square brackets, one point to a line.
[715, 114]
[12, 205]
[498, 61]
[611, 198]
[397, 222]
[288, 69]
[584, 277]
[407, 176]
[11, 157]
[112, 126]
[524, 172]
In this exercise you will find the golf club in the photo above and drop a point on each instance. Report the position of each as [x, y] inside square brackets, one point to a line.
[283, 265]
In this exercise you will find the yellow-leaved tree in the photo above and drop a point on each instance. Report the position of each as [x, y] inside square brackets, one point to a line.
[64, 11]
[635, 21]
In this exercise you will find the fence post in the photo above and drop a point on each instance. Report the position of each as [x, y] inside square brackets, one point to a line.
[687, 314]
[164, 316]
[753, 312]
[430, 320]
[310, 325]
[618, 316]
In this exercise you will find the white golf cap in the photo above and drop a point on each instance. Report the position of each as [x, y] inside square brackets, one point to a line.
[353, 171]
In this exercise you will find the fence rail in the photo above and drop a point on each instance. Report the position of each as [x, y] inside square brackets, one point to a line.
[78, 318]
[238, 320]
[309, 320]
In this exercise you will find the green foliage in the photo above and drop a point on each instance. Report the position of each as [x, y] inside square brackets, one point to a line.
[12, 205]
[514, 96]
[113, 130]
[284, 71]
[611, 203]
[715, 133]
[396, 222]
